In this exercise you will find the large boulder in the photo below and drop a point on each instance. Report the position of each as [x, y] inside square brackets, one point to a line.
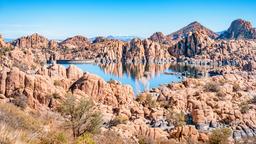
[74, 72]
[111, 93]
[14, 81]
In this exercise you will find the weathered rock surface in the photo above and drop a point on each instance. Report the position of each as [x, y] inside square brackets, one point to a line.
[160, 38]
[191, 28]
[33, 41]
[193, 44]
[75, 42]
[109, 93]
[145, 51]
[239, 29]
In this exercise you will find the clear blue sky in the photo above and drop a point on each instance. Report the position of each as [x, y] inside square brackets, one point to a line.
[63, 18]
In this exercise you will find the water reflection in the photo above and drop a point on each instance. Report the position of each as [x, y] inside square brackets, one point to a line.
[143, 76]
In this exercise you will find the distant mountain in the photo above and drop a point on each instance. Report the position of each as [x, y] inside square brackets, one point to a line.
[192, 27]
[239, 29]
[122, 38]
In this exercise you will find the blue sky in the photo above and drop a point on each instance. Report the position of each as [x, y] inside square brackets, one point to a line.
[58, 19]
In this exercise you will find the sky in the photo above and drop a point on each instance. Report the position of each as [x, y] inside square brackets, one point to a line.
[59, 19]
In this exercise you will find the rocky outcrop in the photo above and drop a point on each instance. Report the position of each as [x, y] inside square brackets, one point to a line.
[108, 50]
[228, 104]
[99, 39]
[191, 28]
[154, 52]
[75, 42]
[109, 93]
[38, 88]
[160, 38]
[135, 52]
[33, 41]
[239, 29]
[53, 44]
[145, 51]
[193, 44]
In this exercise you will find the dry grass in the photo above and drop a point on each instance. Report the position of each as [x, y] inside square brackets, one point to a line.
[16, 118]
[147, 100]
[8, 135]
[220, 136]
[120, 119]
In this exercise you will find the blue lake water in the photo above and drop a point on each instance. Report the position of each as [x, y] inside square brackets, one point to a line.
[140, 77]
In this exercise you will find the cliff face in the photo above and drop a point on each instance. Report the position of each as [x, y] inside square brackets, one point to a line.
[239, 29]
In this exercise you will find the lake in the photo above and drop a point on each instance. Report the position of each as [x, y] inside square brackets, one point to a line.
[141, 77]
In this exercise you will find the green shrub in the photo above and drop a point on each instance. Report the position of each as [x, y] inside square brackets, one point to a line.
[212, 87]
[54, 138]
[221, 94]
[177, 119]
[82, 116]
[220, 136]
[121, 119]
[56, 96]
[111, 137]
[112, 81]
[145, 140]
[253, 100]
[147, 100]
[86, 138]
[244, 107]
[57, 83]
[222, 81]
[236, 87]
[5, 50]
[20, 100]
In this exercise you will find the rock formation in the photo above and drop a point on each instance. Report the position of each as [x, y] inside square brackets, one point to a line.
[160, 38]
[145, 51]
[75, 42]
[33, 41]
[239, 29]
[193, 44]
[192, 27]
[111, 93]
